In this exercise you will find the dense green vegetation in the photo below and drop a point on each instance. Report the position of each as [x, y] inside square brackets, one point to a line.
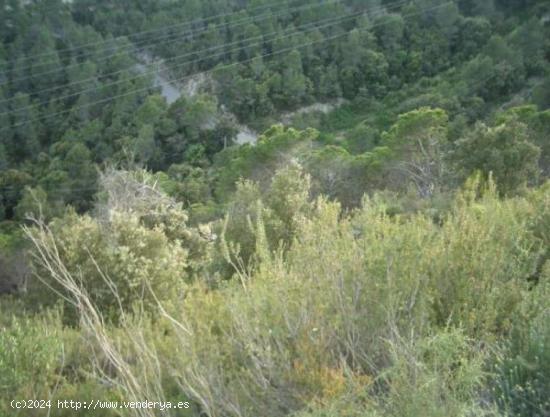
[381, 250]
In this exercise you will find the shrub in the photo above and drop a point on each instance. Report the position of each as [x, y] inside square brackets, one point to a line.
[133, 251]
[522, 367]
[480, 262]
[270, 343]
[40, 359]
[435, 376]
[504, 150]
[118, 263]
[391, 313]
[30, 353]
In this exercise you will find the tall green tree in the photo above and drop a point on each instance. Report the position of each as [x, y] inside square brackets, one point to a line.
[294, 85]
[503, 151]
[417, 142]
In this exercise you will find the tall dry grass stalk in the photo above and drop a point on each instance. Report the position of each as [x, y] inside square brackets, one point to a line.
[113, 367]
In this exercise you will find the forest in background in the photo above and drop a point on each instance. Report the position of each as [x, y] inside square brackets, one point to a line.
[380, 249]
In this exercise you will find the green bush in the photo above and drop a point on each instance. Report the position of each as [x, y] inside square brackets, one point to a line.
[306, 326]
[436, 376]
[522, 368]
[30, 354]
[42, 360]
[118, 263]
[361, 313]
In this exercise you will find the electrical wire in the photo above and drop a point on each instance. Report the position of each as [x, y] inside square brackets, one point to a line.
[154, 70]
[131, 92]
[190, 22]
[132, 46]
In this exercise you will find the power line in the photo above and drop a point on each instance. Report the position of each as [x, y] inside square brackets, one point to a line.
[12, 189]
[199, 31]
[179, 36]
[153, 70]
[131, 92]
[189, 22]
[175, 58]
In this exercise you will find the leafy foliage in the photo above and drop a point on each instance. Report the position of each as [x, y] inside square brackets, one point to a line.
[379, 246]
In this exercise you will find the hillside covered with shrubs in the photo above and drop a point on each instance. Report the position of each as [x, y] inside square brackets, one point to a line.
[379, 248]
